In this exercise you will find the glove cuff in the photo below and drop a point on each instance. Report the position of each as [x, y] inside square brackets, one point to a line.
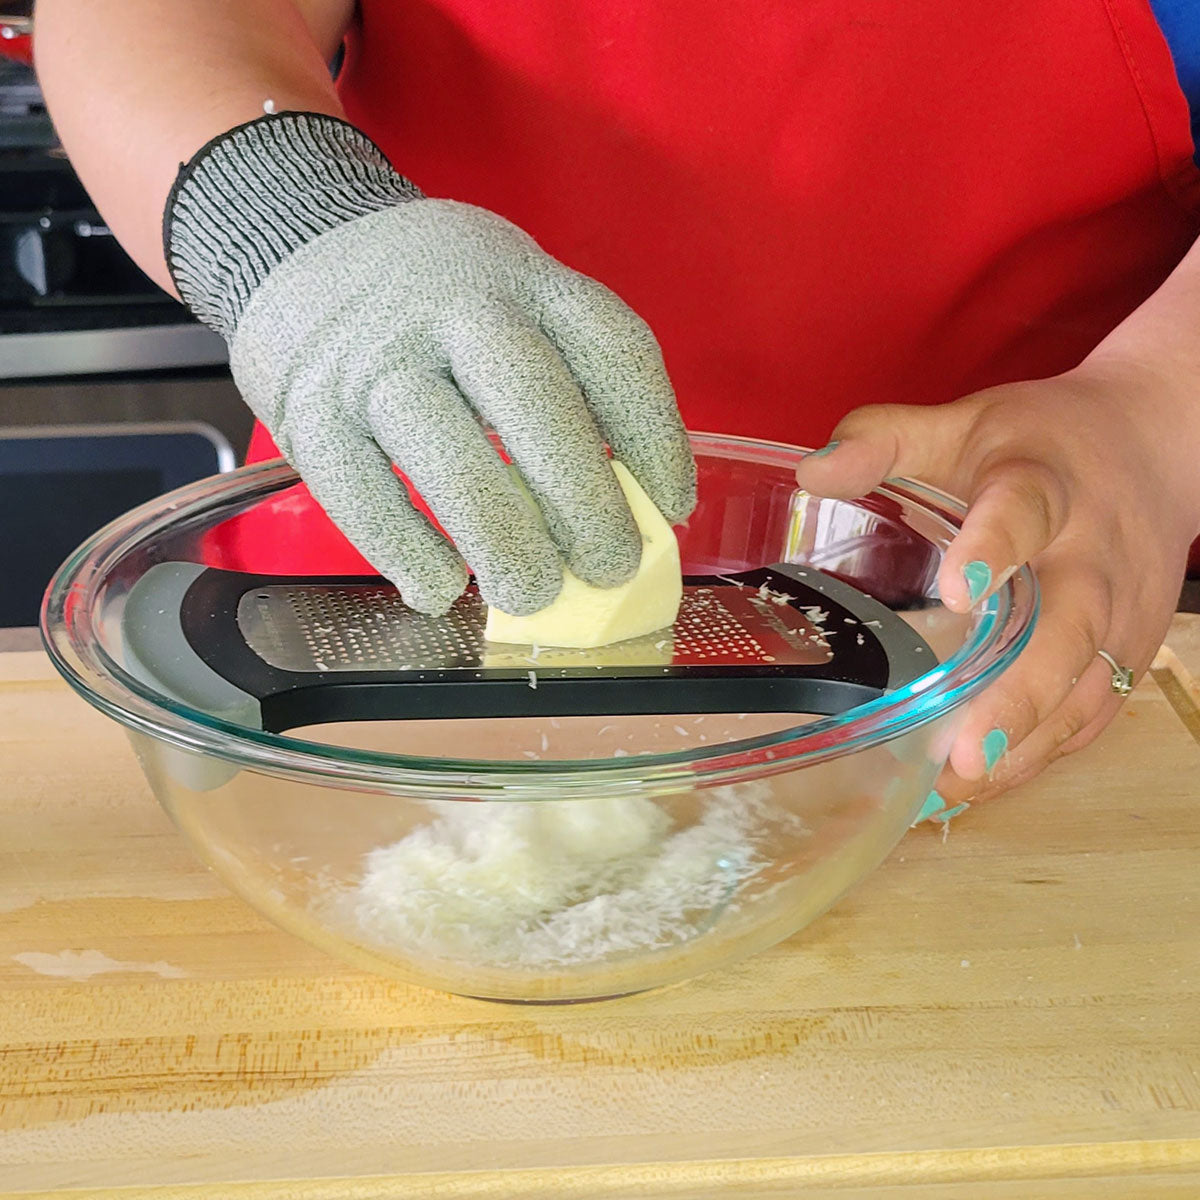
[256, 194]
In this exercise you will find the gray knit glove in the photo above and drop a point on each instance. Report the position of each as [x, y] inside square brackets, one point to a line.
[369, 325]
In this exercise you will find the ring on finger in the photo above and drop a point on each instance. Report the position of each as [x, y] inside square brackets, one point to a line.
[1122, 677]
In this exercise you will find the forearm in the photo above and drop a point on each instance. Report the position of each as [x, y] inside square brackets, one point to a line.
[1160, 343]
[136, 87]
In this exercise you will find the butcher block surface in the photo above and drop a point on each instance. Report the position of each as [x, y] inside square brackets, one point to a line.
[1008, 1008]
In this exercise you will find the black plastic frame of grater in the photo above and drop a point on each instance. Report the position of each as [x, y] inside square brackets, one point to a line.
[891, 653]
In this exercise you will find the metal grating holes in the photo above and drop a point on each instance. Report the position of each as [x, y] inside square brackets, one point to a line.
[356, 628]
[366, 627]
[706, 630]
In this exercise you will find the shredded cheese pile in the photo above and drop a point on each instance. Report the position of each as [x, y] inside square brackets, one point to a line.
[546, 884]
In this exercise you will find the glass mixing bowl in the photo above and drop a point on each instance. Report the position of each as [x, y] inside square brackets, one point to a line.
[546, 859]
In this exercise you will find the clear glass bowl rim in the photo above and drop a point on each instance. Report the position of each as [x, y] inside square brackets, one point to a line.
[67, 632]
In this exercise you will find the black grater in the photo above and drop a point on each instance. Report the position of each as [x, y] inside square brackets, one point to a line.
[281, 652]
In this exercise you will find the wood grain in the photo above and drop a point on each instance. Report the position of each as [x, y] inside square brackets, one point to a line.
[1176, 670]
[1013, 1011]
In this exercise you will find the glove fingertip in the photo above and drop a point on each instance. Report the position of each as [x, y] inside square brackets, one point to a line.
[679, 504]
[610, 560]
[519, 578]
[522, 597]
[671, 484]
[433, 593]
[427, 570]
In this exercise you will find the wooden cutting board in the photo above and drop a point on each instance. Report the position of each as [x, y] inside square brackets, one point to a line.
[1009, 1011]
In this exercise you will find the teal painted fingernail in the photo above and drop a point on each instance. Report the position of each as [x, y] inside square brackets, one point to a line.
[979, 578]
[824, 450]
[994, 745]
[943, 817]
[933, 804]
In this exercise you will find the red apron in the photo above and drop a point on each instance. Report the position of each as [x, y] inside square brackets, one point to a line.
[815, 206]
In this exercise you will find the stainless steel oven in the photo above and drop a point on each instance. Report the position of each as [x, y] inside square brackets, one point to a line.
[100, 370]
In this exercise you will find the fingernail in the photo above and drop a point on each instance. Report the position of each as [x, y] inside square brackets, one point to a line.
[994, 745]
[826, 449]
[978, 576]
[945, 816]
[933, 804]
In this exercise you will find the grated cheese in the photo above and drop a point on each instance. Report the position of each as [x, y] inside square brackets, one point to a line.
[538, 885]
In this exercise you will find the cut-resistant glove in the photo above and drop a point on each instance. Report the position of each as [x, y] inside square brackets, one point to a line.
[369, 325]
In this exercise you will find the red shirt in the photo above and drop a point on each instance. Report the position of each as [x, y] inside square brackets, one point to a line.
[815, 206]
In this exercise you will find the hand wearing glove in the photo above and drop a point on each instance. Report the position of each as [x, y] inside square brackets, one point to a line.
[369, 325]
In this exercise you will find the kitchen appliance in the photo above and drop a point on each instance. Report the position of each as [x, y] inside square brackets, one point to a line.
[71, 300]
[59, 482]
[16, 30]
[110, 392]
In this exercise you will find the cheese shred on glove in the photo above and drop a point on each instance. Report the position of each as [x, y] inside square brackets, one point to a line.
[370, 325]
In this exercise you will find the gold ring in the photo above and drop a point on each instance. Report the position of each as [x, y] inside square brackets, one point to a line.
[1122, 677]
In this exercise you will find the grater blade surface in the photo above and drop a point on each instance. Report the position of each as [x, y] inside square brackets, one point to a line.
[366, 627]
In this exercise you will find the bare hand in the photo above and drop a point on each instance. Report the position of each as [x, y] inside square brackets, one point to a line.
[1069, 474]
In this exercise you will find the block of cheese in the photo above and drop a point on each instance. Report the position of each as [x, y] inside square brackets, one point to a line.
[583, 616]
